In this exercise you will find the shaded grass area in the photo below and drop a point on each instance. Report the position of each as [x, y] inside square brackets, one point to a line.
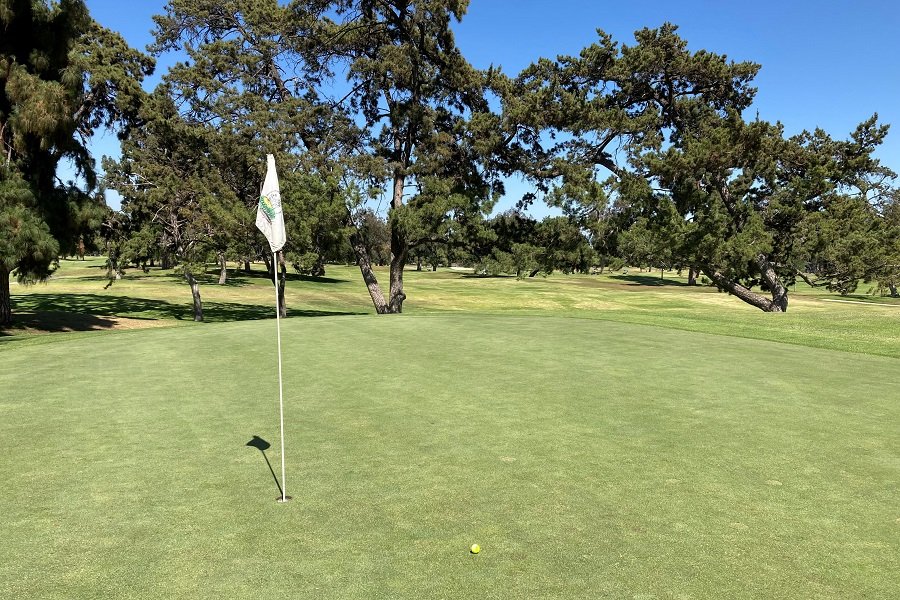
[96, 304]
[78, 299]
[589, 459]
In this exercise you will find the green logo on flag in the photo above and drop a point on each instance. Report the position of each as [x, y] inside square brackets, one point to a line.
[266, 205]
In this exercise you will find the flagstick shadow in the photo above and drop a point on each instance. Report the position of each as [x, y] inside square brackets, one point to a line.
[262, 445]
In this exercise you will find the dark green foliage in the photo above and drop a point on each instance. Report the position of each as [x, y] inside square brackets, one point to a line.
[62, 76]
[571, 117]
[509, 245]
[515, 243]
[26, 244]
[375, 236]
[853, 240]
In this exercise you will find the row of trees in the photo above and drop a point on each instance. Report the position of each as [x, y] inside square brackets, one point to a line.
[642, 147]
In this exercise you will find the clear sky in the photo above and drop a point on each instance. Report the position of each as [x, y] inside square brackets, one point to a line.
[828, 64]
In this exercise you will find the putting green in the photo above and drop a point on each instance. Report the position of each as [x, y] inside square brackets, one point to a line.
[587, 458]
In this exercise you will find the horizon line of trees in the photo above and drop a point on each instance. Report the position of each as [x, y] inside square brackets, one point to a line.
[642, 147]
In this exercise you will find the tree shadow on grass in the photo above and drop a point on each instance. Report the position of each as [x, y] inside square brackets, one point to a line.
[211, 277]
[650, 280]
[84, 312]
[56, 322]
[262, 274]
[237, 278]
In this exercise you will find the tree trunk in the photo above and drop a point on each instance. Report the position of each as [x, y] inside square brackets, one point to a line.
[195, 292]
[778, 302]
[365, 268]
[399, 252]
[434, 268]
[282, 282]
[5, 299]
[268, 260]
[692, 276]
[223, 269]
[113, 272]
[399, 249]
[891, 286]
[247, 267]
[779, 292]
[318, 268]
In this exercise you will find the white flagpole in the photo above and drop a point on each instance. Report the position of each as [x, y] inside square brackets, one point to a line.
[280, 387]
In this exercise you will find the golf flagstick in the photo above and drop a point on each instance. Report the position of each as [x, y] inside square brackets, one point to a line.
[280, 386]
[270, 221]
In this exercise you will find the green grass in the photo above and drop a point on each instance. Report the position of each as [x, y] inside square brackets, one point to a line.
[75, 299]
[588, 458]
[599, 437]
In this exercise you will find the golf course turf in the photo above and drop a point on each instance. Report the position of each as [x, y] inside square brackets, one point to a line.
[587, 458]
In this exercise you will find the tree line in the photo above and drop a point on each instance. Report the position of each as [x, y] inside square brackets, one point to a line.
[643, 147]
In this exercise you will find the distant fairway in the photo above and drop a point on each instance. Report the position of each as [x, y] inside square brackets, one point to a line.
[588, 458]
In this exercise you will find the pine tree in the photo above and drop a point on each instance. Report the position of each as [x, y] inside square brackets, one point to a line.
[62, 76]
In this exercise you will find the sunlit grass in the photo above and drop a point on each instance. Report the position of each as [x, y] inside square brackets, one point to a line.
[589, 459]
[599, 436]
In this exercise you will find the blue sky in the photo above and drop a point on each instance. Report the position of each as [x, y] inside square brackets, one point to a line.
[824, 64]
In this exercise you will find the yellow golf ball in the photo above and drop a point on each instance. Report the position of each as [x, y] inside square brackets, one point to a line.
[475, 548]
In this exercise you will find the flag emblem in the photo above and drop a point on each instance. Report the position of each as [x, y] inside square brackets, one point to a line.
[269, 216]
[266, 206]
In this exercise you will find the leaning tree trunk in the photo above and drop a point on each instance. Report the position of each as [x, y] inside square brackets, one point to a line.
[368, 274]
[777, 303]
[195, 292]
[778, 290]
[5, 299]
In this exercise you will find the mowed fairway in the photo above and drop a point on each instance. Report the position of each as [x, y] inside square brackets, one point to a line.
[588, 458]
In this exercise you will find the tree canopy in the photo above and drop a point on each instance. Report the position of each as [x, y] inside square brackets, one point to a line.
[62, 76]
[644, 147]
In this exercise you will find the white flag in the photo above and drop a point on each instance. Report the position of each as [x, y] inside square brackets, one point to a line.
[269, 217]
